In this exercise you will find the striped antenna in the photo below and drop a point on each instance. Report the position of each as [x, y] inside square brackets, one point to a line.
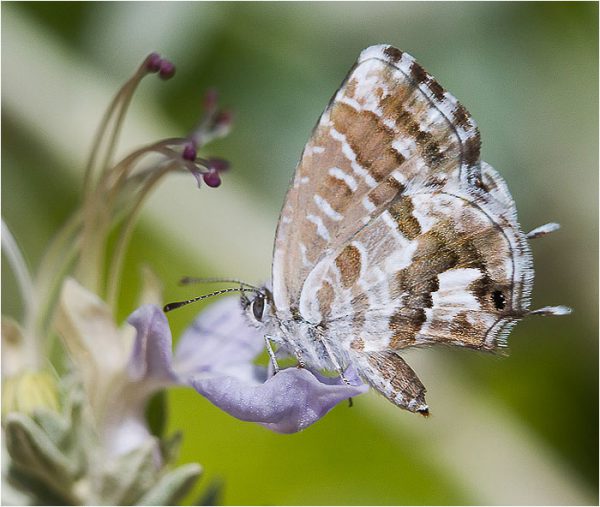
[188, 280]
[178, 304]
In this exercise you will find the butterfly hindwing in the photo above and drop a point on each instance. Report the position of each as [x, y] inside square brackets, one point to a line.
[432, 268]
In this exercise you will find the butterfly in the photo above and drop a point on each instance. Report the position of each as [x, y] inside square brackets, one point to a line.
[394, 234]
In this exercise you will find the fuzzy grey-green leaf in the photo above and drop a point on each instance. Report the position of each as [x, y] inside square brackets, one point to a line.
[170, 446]
[53, 425]
[33, 449]
[172, 486]
[130, 476]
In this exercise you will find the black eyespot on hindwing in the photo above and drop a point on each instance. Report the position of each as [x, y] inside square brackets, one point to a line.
[499, 300]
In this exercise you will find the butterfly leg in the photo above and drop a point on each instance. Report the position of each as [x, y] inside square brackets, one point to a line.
[335, 363]
[271, 354]
[298, 352]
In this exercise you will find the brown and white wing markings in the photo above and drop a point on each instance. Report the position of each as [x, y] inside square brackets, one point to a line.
[432, 268]
[394, 234]
[445, 267]
[391, 376]
[389, 125]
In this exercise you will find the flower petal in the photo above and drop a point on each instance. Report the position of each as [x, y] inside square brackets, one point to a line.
[93, 342]
[125, 429]
[89, 331]
[14, 350]
[149, 369]
[151, 358]
[288, 402]
[220, 341]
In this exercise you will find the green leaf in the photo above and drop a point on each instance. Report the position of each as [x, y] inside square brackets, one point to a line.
[53, 425]
[172, 486]
[81, 437]
[21, 488]
[126, 479]
[170, 446]
[37, 463]
[32, 450]
[212, 494]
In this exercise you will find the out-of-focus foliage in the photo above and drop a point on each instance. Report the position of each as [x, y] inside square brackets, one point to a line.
[522, 429]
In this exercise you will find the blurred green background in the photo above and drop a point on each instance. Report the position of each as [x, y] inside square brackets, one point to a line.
[516, 430]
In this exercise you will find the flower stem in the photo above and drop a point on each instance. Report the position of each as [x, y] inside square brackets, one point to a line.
[116, 266]
[28, 296]
[96, 217]
[118, 107]
[55, 253]
[126, 166]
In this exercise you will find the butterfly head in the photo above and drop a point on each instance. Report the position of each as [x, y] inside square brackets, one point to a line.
[258, 306]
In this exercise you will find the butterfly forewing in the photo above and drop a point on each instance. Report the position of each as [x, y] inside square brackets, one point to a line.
[389, 124]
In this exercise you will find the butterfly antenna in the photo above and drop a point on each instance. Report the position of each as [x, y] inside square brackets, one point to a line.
[178, 304]
[188, 280]
[543, 230]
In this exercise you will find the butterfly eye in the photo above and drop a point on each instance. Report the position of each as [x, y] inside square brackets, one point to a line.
[258, 307]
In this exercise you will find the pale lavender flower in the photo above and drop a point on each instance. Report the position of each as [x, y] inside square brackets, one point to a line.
[118, 389]
[215, 356]
[85, 436]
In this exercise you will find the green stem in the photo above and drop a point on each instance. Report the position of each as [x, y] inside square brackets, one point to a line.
[119, 102]
[116, 266]
[125, 167]
[54, 255]
[96, 223]
[28, 296]
[96, 217]
[53, 286]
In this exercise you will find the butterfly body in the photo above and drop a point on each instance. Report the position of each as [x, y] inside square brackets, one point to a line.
[310, 341]
[394, 233]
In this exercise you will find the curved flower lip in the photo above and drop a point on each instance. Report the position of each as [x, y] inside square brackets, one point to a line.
[215, 357]
[286, 403]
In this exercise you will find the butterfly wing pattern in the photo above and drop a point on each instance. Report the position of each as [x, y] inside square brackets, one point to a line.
[394, 234]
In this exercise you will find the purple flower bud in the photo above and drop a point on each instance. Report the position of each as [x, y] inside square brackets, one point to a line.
[189, 152]
[218, 164]
[211, 98]
[224, 118]
[212, 178]
[167, 69]
[153, 62]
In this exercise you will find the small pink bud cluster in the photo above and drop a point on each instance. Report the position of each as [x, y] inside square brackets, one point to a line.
[155, 64]
[212, 166]
[214, 123]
